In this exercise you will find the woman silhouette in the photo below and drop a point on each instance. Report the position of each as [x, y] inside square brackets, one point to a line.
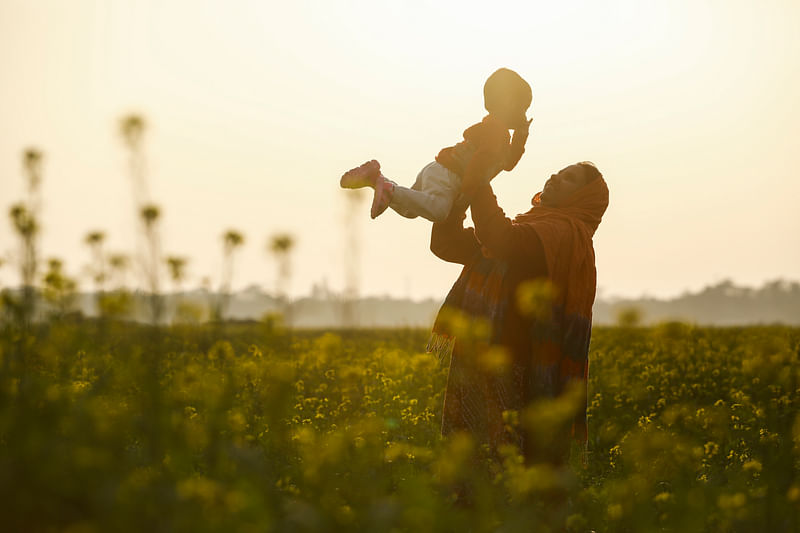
[523, 354]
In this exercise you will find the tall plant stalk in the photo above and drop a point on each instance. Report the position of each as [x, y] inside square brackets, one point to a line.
[97, 268]
[177, 272]
[25, 217]
[231, 241]
[132, 130]
[281, 246]
[152, 261]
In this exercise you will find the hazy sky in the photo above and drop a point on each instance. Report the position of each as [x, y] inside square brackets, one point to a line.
[689, 108]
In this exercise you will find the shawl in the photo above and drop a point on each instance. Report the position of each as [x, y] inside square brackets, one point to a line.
[560, 346]
[566, 233]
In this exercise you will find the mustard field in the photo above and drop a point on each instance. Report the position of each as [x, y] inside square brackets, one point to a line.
[115, 427]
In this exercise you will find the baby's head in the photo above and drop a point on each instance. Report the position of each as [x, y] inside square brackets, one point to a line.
[507, 96]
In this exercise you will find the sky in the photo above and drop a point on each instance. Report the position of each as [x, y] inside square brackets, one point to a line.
[255, 108]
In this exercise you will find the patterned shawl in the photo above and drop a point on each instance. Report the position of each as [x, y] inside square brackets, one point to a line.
[561, 345]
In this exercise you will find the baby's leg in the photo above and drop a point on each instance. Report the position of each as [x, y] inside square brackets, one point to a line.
[411, 203]
[430, 197]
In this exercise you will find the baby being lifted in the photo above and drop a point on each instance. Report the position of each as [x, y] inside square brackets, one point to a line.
[487, 149]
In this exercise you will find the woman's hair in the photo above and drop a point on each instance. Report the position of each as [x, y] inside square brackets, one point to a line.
[591, 170]
[506, 88]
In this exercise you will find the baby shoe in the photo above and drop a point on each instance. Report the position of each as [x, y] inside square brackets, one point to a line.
[362, 176]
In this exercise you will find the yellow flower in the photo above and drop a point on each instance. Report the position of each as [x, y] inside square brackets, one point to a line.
[752, 465]
[614, 511]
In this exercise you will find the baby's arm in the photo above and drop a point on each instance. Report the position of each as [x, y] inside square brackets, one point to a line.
[485, 164]
[517, 147]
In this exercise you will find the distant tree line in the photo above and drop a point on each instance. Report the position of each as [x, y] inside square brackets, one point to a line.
[721, 304]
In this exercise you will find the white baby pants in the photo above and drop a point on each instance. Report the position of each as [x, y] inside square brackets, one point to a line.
[431, 196]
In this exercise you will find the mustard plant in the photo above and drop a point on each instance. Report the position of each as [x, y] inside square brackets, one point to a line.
[281, 246]
[97, 267]
[232, 240]
[58, 289]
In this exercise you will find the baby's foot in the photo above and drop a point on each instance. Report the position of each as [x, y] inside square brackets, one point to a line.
[361, 176]
[384, 189]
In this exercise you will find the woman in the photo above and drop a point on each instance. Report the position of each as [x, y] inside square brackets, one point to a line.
[524, 355]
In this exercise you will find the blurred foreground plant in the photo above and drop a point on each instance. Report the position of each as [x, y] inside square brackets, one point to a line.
[58, 289]
[231, 241]
[281, 246]
[25, 218]
[132, 129]
[245, 428]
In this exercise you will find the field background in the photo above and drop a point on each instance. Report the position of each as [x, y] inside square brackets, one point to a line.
[164, 162]
[110, 426]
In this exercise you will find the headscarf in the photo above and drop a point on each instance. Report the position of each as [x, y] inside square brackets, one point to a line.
[566, 233]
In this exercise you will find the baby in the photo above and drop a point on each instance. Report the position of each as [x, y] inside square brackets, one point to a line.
[487, 149]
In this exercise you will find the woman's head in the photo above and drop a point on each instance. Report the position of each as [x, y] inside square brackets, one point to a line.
[508, 96]
[562, 185]
[578, 192]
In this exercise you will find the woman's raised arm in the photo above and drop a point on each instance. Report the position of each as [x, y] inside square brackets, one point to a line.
[500, 235]
[451, 241]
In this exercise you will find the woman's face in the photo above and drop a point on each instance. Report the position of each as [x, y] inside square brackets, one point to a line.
[560, 186]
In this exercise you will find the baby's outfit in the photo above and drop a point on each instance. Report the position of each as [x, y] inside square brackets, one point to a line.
[486, 150]
[431, 196]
